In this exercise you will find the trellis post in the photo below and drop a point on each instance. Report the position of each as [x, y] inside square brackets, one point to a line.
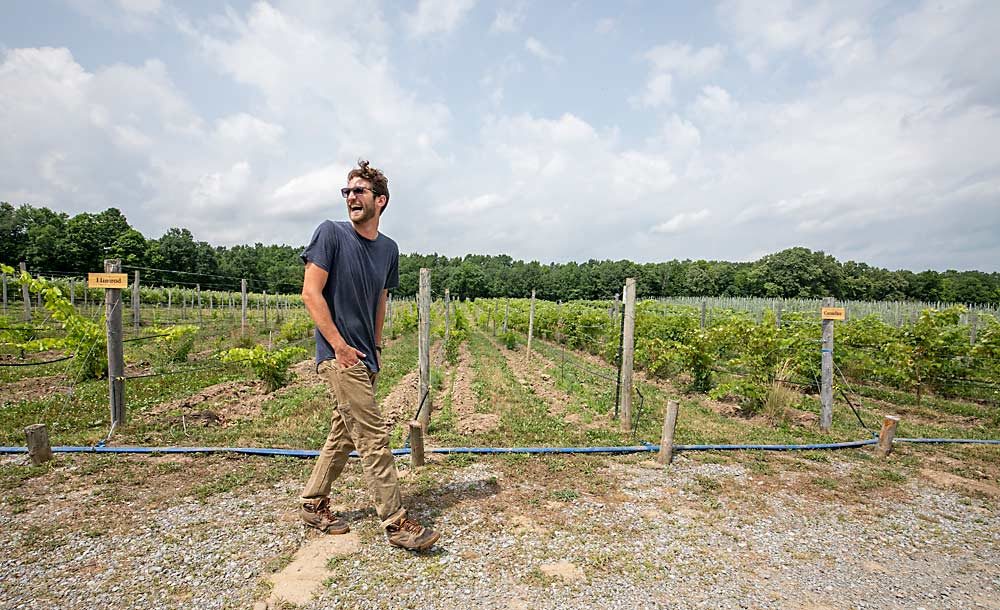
[826, 383]
[628, 355]
[423, 348]
[116, 352]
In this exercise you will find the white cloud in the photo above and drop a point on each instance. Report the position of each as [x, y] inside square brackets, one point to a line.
[120, 15]
[682, 60]
[869, 133]
[681, 222]
[714, 103]
[469, 205]
[836, 34]
[539, 50]
[242, 128]
[437, 16]
[680, 136]
[508, 20]
[658, 92]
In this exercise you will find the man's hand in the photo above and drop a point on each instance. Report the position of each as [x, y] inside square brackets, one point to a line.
[347, 356]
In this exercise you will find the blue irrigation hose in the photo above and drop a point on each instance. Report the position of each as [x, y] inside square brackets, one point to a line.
[644, 448]
[984, 441]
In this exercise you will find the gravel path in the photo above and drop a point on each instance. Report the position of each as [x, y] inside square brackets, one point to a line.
[529, 533]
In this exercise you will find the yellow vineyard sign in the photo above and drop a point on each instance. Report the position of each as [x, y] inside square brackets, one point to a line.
[107, 280]
[834, 313]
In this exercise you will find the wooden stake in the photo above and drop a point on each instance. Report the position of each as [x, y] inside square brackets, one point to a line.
[885, 435]
[424, 348]
[39, 450]
[826, 383]
[628, 356]
[135, 301]
[531, 325]
[447, 316]
[666, 454]
[243, 305]
[25, 294]
[116, 352]
[416, 443]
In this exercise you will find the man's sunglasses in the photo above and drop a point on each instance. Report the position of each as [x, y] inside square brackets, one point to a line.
[357, 190]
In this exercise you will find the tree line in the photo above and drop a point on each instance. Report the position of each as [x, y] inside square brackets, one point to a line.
[51, 241]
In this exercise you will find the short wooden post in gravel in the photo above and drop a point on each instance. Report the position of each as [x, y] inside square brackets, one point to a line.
[39, 450]
[25, 294]
[826, 363]
[666, 454]
[531, 325]
[886, 435]
[416, 443]
[424, 348]
[628, 355]
[135, 301]
[116, 351]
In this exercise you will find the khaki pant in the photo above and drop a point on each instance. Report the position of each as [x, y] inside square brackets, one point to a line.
[356, 423]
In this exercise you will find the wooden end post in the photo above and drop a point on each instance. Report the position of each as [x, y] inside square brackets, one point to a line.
[39, 449]
[416, 443]
[116, 351]
[424, 347]
[666, 454]
[628, 355]
[886, 434]
[826, 368]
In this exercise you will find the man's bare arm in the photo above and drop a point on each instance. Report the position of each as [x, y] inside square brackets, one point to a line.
[312, 296]
[383, 299]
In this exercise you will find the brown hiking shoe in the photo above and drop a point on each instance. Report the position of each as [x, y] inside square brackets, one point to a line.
[410, 535]
[318, 515]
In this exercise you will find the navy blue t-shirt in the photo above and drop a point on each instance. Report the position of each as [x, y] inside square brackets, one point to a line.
[359, 269]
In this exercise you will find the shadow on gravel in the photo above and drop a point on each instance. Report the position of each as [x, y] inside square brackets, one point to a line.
[427, 504]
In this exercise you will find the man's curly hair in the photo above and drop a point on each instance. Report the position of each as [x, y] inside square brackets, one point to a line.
[380, 184]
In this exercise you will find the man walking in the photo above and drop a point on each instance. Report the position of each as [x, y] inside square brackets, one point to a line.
[350, 268]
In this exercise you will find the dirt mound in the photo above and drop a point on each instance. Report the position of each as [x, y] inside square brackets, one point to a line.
[34, 388]
[401, 403]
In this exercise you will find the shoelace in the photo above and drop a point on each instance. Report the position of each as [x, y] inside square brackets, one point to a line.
[413, 526]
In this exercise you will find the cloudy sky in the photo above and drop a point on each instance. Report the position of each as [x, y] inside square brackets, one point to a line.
[646, 130]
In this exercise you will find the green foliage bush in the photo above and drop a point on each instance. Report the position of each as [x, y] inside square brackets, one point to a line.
[453, 345]
[296, 328]
[176, 342]
[271, 367]
[85, 339]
